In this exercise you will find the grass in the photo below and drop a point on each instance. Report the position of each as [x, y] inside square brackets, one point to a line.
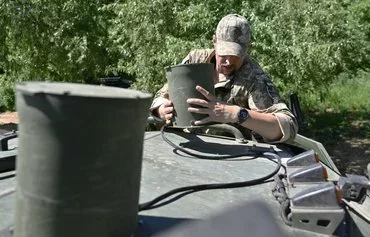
[346, 101]
[341, 122]
[350, 94]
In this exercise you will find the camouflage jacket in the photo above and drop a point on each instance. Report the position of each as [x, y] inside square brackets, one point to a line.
[250, 87]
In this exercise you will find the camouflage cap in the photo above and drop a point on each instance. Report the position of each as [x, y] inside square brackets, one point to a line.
[233, 35]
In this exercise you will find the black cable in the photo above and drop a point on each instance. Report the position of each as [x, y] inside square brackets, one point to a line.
[183, 191]
[186, 193]
[283, 166]
[175, 198]
[153, 203]
[255, 153]
[7, 176]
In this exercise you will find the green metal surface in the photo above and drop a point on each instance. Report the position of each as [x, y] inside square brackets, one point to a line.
[165, 168]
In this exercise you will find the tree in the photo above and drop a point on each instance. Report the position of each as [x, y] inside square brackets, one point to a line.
[152, 34]
[52, 40]
[304, 45]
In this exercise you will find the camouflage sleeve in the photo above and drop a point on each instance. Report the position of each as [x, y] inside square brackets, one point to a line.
[159, 98]
[199, 56]
[264, 97]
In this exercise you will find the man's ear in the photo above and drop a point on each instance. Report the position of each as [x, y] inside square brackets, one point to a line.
[214, 40]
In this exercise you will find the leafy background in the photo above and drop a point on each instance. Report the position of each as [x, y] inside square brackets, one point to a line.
[318, 49]
[304, 45]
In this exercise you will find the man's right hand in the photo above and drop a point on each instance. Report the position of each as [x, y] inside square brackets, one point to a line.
[166, 111]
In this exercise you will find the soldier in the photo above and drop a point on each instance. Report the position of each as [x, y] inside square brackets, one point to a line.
[244, 94]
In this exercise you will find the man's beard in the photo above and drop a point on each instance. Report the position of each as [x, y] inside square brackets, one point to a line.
[230, 72]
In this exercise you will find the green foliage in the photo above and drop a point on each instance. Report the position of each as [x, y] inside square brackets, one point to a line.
[152, 34]
[304, 45]
[7, 94]
[349, 93]
[52, 40]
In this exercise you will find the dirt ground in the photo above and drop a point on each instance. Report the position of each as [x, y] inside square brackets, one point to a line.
[351, 155]
[8, 121]
[8, 117]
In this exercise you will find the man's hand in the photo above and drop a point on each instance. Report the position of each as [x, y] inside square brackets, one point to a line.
[217, 111]
[166, 111]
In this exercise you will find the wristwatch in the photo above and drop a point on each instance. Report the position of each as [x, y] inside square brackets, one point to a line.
[243, 115]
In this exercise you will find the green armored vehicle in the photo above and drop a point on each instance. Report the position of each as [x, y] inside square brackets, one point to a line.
[89, 179]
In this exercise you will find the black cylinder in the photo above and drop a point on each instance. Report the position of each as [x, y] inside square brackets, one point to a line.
[79, 159]
[182, 80]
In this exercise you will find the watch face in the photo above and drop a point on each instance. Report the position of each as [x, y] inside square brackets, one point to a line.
[243, 115]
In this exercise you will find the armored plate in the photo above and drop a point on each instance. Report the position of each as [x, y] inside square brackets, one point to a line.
[166, 168]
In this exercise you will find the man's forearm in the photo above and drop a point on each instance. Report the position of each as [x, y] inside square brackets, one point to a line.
[267, 125]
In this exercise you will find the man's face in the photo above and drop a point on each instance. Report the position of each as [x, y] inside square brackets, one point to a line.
[227, 65]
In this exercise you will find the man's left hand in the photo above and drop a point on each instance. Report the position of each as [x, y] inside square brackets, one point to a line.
[217, 111]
